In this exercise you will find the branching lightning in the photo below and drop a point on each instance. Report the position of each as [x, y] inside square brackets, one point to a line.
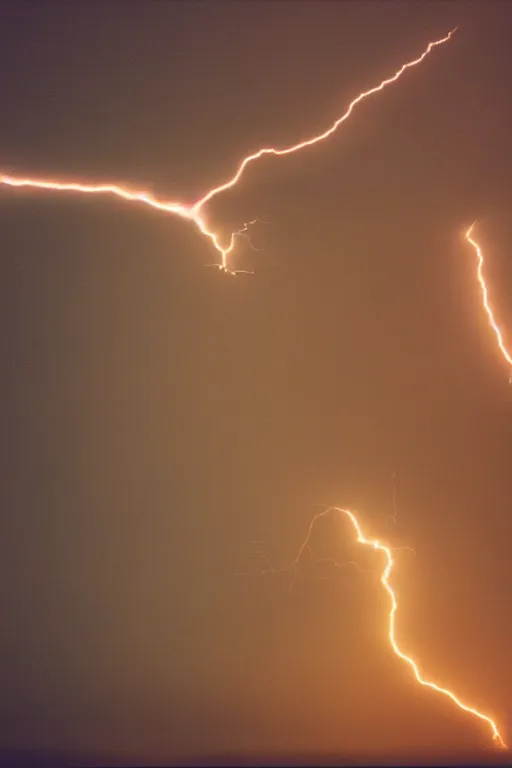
[195, 214]
[385, 581]
[485, 296]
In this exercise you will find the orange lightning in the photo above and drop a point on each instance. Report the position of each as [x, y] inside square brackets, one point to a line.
[193, 212]
[320, 137]
[146, 198]
[385, 581]
[485, 296]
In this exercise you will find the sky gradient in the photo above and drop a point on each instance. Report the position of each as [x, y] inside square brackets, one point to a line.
[159, 417]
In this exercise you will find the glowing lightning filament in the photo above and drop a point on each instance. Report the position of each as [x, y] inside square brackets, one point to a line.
[320, 137]
[193, 212]
[485, 296]
[385, 581]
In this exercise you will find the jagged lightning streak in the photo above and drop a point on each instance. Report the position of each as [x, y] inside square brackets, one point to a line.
[146, 198]
[320, 137]
[194, 212]
[385, 581]
[485, 296]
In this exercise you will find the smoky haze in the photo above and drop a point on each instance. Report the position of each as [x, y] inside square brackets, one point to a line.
[160, 417]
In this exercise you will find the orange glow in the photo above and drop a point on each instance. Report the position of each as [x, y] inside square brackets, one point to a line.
[485, 296]
[385, 576]
[193, 212]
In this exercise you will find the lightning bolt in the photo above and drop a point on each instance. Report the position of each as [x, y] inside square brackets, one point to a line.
[375, 544]
[322, 136]
[485, 295]
[194, 212]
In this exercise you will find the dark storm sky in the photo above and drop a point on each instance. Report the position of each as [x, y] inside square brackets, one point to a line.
[158, 416]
